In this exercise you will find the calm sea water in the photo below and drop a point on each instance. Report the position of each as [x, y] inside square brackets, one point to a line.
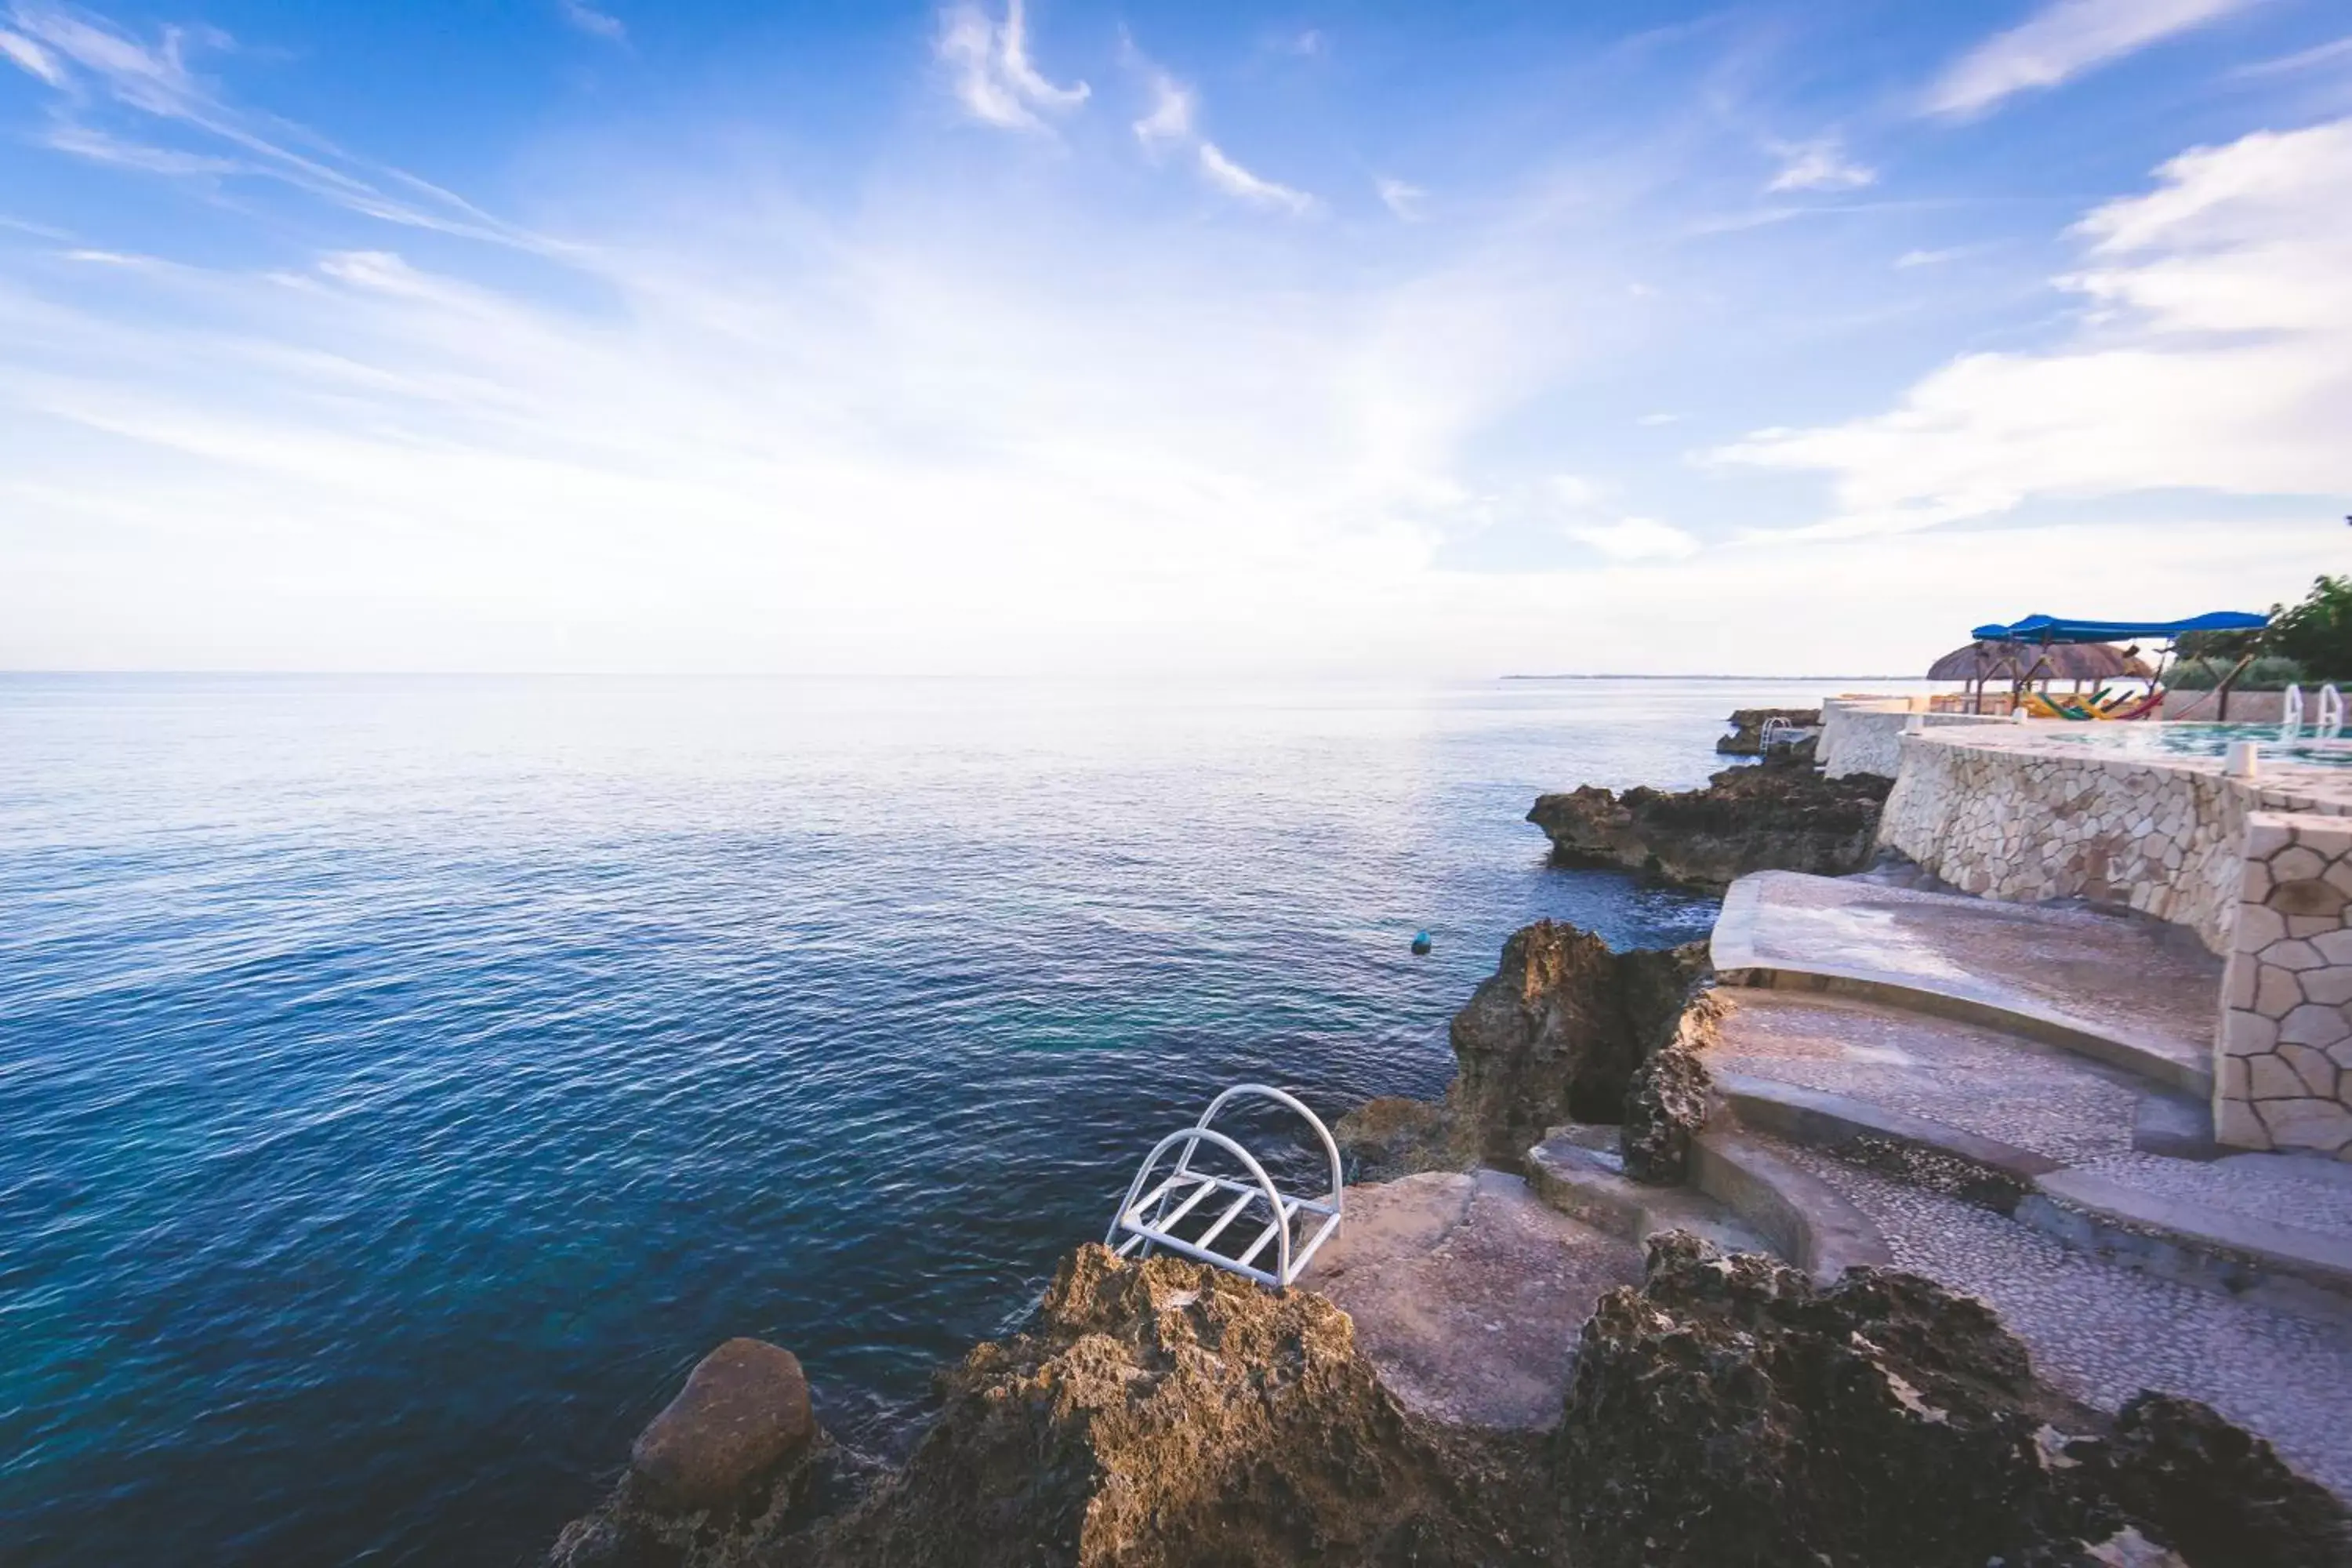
[403, 1081]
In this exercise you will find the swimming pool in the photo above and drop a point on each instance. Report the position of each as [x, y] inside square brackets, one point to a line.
[2194, 740]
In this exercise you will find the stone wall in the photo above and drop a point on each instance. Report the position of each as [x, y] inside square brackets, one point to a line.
[2261, 868]
[1864, 734]
[2283, 1072]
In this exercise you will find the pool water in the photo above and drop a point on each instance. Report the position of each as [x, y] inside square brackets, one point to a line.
[2193, 740]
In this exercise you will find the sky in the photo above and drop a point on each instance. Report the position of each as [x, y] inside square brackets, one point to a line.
[1160, 339]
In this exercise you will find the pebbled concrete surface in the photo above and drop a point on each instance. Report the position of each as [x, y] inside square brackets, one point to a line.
[2118, 977]
[2101, 1332]
[1967, 1076]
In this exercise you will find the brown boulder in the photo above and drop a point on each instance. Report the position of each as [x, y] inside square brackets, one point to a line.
[742, 1416]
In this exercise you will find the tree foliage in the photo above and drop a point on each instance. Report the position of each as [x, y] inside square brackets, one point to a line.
[2317, 633]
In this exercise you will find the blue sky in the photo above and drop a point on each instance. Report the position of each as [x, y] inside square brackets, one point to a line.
[1784, 338]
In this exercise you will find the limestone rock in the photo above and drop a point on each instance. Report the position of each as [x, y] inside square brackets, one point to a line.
[1555, 1034]
[1162, 1415]
[742, 1415]
[2216, 1493]
[1746, 737]
[1746, 819]
[1392, 1137]
[1731, 1411]
[1666, 1103]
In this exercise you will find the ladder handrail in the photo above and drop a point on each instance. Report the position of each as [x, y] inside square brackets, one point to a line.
[2331, 712]
[1126, 1215]
[2291, 713]
[1280, 1097]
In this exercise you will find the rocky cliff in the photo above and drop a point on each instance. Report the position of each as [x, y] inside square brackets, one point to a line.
[1726, 1411]
[1731, 1411]
[1746, 819]
[1558, 1033]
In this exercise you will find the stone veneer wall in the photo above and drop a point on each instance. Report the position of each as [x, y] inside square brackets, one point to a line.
[2261, 868]
[2283, 1077]
[1864, 735]
[2028, 825]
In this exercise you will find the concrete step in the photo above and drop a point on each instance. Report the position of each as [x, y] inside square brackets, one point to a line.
[2212, 1224]
[2119, 989]
[1468, 1293]
[1740, 1195]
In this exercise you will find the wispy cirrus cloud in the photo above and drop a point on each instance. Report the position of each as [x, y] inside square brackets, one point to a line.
[1408, 202]
[2215, 353]
[594, 22]
[28, 56]
[136, 103]
[2060, 42]
[1172, 121]
[1820, 165]
[994, 79]
[1169, 122]
[1253, 189]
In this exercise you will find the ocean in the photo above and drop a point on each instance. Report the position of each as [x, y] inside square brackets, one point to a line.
[404, 1080]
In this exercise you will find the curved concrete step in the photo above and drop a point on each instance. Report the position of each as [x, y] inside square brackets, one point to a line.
[2156, 1224]
[2007, 966]
[2213, 1244]
[1577, 1170]
[1740, 1195]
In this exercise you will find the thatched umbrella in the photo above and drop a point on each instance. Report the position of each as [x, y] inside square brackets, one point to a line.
[2020, 664]
[2075, 661]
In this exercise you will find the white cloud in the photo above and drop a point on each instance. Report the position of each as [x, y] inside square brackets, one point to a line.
[2216, 354]
[1658, 419]
[1408, 202]
[2061, 42]
[1239, 184]
[29, 55]
[1636, 539]
[2302, 59]
[596, 24]
[1817, 165]
[1306, 44]
[995, 81]
[1170, 121]
[100, 69]
[1910, 258]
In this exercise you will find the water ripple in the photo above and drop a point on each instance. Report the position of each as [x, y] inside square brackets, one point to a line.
[405, 1080]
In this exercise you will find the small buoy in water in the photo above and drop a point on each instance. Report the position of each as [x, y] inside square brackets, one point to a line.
[1421, 944]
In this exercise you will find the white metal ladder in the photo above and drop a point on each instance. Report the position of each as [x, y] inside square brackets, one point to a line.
[2331, 712]
[1148, 1220]
[2291, 714]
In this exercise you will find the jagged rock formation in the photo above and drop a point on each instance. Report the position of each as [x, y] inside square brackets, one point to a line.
[1165, 1415]
[1556, 1033]
[1746, 819]
[1747, 738]
[1666, 1100]
[1730, 1411]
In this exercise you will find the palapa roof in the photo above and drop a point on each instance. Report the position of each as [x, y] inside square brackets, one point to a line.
[2059, 661]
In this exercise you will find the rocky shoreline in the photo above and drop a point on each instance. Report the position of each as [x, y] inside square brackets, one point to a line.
[1780, 816]
[1728, 1409]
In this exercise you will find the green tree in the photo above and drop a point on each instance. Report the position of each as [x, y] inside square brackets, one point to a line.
[2317, 633]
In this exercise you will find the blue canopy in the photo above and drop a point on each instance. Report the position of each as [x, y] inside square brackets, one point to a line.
[2053, 629]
